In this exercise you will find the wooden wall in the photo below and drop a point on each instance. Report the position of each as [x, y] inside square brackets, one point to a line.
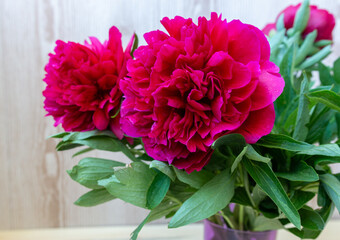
[35, 190]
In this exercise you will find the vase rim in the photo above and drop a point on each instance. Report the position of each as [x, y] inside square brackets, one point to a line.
[225, 227]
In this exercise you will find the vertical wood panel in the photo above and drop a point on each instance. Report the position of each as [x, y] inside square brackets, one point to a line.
[35, 190]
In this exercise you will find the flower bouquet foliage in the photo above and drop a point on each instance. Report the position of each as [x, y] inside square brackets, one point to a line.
[194, 111]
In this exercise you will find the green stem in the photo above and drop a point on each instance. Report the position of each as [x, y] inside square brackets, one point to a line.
[241, 217]
[246, 186]
[226, 218]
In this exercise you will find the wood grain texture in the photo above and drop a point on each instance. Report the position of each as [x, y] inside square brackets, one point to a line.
[35, 190]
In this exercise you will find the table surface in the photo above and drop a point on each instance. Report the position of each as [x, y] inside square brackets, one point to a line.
[149, 232]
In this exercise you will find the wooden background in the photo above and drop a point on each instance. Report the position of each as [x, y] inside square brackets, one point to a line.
[35, 190]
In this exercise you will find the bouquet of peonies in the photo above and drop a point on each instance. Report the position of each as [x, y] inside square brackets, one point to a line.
[219, 121]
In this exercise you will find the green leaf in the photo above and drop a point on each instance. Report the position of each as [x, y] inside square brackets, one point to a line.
[300, 172]
[323, 43]
[85, 150]
[311, 219]
[194, 179]
[253, 155]
[280, 25]
[107, 144]
[62, 146]
[325, 75]
[131, 184]
[306, 47]
[238, 159]
[135, 45]
[90, 170]
[316, 58]
[159, 187]
[164, 168]
[284, 142]
[302, 119]
[332, 186]
[286, 71]
[266, 179]
[135, 233]
[300, 198]
[329, 98]
[235, 142]
[59, 135]
[167, 206]
[94, 198]
[262, 223]
[88, 134]
[336, 70]
[301, 17]
[208, 200]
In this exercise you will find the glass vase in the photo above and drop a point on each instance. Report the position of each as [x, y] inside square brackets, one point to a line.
[214, 231]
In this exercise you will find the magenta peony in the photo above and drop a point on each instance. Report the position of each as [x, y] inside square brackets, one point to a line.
[196, 83]
[320, 20]
[82, 90]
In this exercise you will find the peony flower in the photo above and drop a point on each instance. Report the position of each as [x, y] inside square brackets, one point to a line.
[320, 20]
[82, 90]
[196, 83]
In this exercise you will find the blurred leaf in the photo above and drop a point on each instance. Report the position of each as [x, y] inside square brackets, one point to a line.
[306, 47]
[300, 172]
[90, 170]
[157, 191]
[135, 233]
[235, 142]
[332, 186]
[329, 98]
[164, 208]
[316, 58]
[300, 198]
[262, 223]
[59, 135]
[238, 159]
[194, 179]
[302, 119]
[85, 150]
[253, 155]
[131, 184]
[286, 71]
[207, 201]
[301, 17]
[279, 141]
[135, 45]
[94, 198]
[266, 179]
[325, 75]
[164, 168]
[336, 70]
[311, 219]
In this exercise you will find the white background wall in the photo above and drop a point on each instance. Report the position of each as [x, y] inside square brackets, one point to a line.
[35, 190]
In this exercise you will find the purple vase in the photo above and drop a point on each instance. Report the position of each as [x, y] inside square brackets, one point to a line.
[214, 231]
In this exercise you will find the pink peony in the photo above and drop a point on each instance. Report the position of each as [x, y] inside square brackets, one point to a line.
[320, 19]
[199, 82]
[82, 90]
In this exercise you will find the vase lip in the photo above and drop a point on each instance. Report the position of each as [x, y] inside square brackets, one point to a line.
[225, 227]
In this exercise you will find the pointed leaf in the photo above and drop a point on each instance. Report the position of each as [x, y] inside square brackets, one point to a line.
[332, 186]
[300, 172]
[194, 179]
[164, 168]
[327, 97]
[207, 201]
[159, 187]
[266, 179]
[94, 198]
